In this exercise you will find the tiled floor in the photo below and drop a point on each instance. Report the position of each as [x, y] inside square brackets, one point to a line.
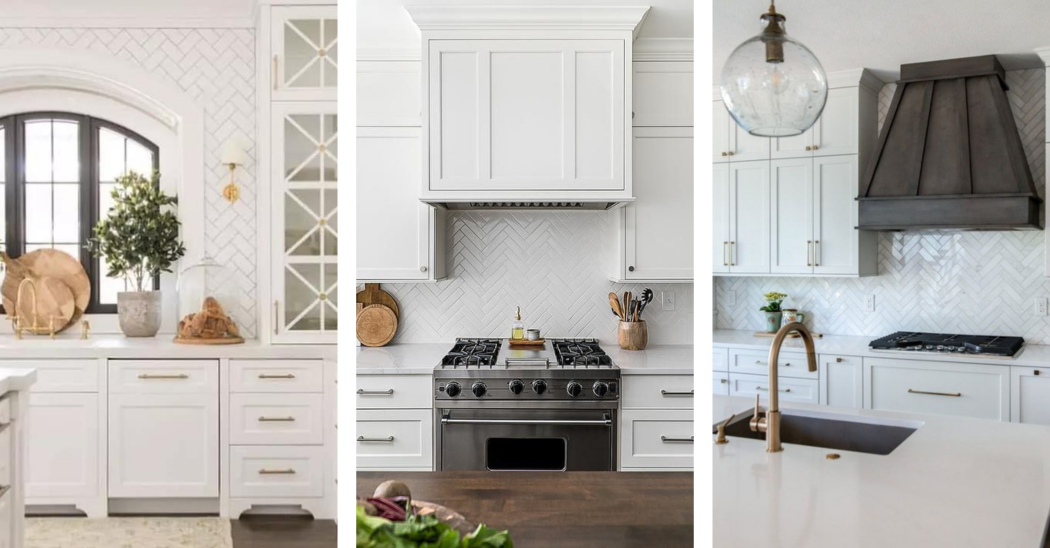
[283, 532]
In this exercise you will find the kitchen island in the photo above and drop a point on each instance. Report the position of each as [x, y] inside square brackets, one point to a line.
[563, 509]
[953, 482]
[14, 391]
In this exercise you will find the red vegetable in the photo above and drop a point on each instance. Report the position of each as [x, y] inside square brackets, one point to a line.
[388, 509]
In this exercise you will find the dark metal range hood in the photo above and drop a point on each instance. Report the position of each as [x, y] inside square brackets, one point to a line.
[949, 155]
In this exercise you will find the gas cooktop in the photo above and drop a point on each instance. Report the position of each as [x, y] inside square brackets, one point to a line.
[554, 354]
[984, 345]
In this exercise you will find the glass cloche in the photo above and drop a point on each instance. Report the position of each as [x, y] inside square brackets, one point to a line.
[209, 304]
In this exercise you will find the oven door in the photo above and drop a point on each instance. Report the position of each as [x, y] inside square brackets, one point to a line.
[533, 439]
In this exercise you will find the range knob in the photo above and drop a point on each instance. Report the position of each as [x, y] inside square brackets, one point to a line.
[452, 389]
[600, 388]
[574, 389]
[479, 389]
[539, 386]
[516, 386]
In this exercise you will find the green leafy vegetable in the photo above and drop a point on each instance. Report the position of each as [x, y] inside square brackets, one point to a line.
[423, 532]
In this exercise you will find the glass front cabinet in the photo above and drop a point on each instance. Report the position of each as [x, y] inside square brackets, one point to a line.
[305, 45]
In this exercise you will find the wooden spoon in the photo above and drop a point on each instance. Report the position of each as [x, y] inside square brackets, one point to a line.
[614, 302]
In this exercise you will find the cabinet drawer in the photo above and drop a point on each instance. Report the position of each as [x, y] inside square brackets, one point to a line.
[397, 438]
[800, 390]
[276, 375]
[756, 362]
[268, 419]
[955, 389]
[657, 439]
[261, 471]
[720, 359]
[394, 391]
[720, 384]
[60, 375]
[657, 391]
[163, 376]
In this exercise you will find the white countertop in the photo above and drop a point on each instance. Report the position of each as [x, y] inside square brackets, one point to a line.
[420, 359]
[954, 482]
[16, 379]
[118, 346]
[1033, 355]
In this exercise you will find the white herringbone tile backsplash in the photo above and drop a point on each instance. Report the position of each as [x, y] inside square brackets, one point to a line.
[217, 68]
[554, 264]
[944, 281]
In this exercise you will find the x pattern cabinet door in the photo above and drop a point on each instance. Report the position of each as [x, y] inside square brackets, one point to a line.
[305, 53]
[306, 230]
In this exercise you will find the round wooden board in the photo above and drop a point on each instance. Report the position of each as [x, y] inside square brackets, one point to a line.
[48, 263]
[376, 325]
[223, 340]
[372, 294]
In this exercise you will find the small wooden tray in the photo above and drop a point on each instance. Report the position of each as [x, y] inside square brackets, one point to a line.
[217, 340]
[515, 343]
[790, 336]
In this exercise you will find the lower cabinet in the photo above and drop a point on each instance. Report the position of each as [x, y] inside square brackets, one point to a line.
[841, 381]
[656, 422]
[395, 422]
[796, 390]
[720, 384]
[1030, 395]
[277, 472]
[62, 448]
[937, 388]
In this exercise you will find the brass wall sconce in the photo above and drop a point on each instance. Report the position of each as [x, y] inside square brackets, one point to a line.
[233, 155]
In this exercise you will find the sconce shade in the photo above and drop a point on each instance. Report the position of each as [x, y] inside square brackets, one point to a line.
[233, 152]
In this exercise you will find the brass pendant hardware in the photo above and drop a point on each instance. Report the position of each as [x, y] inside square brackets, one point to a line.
[230, 191]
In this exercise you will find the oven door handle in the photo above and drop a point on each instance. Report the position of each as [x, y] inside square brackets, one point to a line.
[607, 421]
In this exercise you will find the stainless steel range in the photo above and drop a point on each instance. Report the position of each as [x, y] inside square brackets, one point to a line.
[547, 408]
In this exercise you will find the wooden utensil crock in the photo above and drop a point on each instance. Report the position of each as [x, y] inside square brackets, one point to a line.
[633, 335]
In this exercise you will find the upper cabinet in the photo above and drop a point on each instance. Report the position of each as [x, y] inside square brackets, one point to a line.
[388, 94]
[304, 44]
[731, 142]
[836, 132]
[663, 94]
[521, 105]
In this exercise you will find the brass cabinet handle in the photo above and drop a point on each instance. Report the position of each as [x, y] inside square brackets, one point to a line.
[180, 376]
[838, 360]
[363, 392]
[284, 376]
[724, 381]
[815, 147]
[809, 147]
[730, 153]
[386, 439]
[816, 252]
[949, 394]
[725, 154]
[276, 419]
[731, 254]
[809, 252]
[666, 439]
[669, 393]
[267, 471]
[725, 262]
[764, 389]
[275, 76]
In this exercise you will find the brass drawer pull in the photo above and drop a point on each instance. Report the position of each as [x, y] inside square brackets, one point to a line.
[949, 394]
[386, 439]
[669, 393]
[285, 376]
[268, 472]
[180, 376]
[764, 389]
[276, 419]
[809, 247]
[666, 439]
[363, 392]
[725, 262]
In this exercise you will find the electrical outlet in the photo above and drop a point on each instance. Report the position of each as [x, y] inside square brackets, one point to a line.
[1040, 306]
[869, 303]
[667, 297]
[731, 299]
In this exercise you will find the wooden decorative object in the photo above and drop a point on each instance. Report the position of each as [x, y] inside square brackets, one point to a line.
[47, 263]
[525, 343]
[633, 335]
[376, 325]
[372, 294]
[209, 326]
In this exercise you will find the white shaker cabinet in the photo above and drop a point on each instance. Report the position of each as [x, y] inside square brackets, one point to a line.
[62, 449]
[720, 218]
[304, 44]
[835, 132]
[732, 143]
[841, 381]
[657, 228]
[663, 94]
[748, 245]
[937, 388]
[412, 233]
[791, 216]
[1029, 394]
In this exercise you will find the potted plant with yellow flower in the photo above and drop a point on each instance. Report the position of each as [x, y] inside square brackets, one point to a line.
[772, 310]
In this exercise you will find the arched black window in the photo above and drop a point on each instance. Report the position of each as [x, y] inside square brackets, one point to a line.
[57, 171]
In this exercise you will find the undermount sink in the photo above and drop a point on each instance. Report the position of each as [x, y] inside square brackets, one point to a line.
[832, 431]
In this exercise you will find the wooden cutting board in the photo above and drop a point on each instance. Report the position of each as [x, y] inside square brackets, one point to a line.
[376, 325]
[47, 263]
[372, 294]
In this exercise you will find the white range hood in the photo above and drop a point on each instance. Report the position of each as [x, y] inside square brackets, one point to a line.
[527, 107]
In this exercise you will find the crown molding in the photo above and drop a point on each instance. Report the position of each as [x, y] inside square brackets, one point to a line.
[663, 49]
[481, 17]
[853, 78]
[1044, 54]
[388, 54]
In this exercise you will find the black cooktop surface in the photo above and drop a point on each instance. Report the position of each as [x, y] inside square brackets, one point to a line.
[473, 352]
[580, 352]
[991, 345]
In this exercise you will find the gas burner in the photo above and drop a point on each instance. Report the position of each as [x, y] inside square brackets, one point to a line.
[472, 352]
[580, 352]
[958, 344]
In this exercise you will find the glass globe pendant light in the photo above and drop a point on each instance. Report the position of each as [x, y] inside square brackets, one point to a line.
[772, 85]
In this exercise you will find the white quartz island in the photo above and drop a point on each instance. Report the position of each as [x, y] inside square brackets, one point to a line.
[14, 387]
[954, 482]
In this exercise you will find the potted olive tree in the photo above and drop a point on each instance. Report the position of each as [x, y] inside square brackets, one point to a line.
[139, 238]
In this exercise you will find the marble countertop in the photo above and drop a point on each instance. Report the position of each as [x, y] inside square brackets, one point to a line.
[16, 379]
[420, 359]
[954, 482]
[1033, 355]
[70, 346]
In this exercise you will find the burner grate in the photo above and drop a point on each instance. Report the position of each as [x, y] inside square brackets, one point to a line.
[472, 352]
[580, 353]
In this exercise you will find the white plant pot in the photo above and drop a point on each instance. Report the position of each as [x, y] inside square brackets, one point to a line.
[139, 313]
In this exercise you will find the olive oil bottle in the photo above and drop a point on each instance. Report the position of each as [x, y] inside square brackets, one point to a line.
[517, 327]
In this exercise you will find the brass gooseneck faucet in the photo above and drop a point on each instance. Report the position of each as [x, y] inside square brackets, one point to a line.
[770, 423]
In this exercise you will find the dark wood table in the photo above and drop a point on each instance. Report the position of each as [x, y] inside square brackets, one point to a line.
[562, 509]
